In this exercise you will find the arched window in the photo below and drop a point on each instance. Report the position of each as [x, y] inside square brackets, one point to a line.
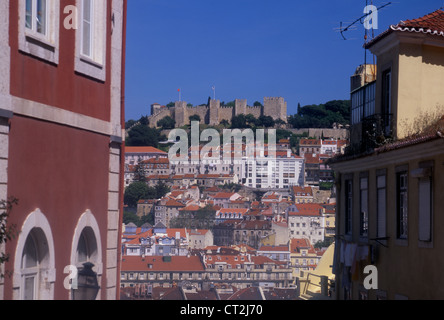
[87, 245]
[34, 270]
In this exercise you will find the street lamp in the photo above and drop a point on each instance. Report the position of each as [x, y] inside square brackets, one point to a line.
[87, 284]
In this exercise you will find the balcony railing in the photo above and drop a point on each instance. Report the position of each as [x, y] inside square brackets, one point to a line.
[377, 130]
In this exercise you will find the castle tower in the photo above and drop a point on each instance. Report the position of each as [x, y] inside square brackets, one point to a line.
[155, 108]
[276, 108]
[240, 106]
[214, 112]
[181, 113]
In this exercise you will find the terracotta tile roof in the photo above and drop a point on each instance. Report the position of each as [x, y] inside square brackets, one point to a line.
[159, 263]
[311, 142]
[302, 191]
[223, 195]
[296, 244]
[156, 161]
[307, 209]
[191, 207]
[143, 150]
[274, 248]
[251, 293]
[432, 23]
[174, 203]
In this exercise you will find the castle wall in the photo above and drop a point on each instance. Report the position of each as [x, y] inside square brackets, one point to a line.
[255, 111]
[202, 111]
[226, 113]
[161, 113]
[215, 113]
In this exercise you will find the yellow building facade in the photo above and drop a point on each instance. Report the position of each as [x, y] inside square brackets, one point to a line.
[389, 203]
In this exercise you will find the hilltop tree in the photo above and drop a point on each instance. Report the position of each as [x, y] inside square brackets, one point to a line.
[142, 135]
[166, 123]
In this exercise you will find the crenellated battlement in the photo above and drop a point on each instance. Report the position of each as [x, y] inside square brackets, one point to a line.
[214, 113]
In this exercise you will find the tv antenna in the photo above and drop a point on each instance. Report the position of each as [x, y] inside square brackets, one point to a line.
[361, 20]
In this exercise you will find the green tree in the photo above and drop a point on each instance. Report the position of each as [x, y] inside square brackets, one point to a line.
[194, 117]
[134, 192]
[161, 189]
[266, 121]
[142, 135]
[239, 122]
[129, 217]
[257, 104]
[130, 123]
[166, 123]
[7, 231]
[251, 120]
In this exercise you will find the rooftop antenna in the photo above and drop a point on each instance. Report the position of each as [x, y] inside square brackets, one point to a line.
[361, 20]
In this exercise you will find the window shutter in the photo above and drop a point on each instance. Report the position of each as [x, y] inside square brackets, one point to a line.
[382, 203]
[425, 209]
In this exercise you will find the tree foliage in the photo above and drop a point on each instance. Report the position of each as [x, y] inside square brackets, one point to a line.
[142, 135]
[140, 190]
[7, 231]
[322, 115]
[166, 123]
[201, 219]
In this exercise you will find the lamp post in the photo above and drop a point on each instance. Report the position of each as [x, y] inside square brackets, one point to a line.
[87, 284]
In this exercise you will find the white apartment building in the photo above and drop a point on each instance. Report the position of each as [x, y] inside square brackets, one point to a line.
[279, 172]
[306, 220]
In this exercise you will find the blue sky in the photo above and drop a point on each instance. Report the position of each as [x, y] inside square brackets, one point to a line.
[248, 49]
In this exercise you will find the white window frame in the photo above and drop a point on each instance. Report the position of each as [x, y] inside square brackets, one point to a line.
[93, 65]
[43, 46]
[381, 205]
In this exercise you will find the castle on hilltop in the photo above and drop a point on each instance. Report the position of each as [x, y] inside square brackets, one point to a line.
[214, 113]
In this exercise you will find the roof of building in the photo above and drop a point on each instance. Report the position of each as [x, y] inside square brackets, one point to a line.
[251, 293]
[143, 150]
[432, 23]
[223, 195]
[299, 191]
[159, 263]
[311, 142]
[156, 161]
[274, 248]
[306, 209]
[297, 244]
[174, 203]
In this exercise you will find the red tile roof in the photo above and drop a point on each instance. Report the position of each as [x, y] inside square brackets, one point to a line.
[223, 195]
[159, 263]
[432, 23]
[302, 191]
[307, 209]
[174, 203]
[143, 150]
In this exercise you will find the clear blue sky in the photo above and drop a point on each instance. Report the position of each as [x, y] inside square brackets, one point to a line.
[248, 49]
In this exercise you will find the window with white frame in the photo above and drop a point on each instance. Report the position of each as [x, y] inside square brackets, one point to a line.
[34, 262]
[39, 28]
[36, 16]
[363, 221]
[381, 206]
[91, 38]
[425, 202]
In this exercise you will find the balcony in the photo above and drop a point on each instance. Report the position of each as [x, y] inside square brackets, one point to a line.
[377, 130]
